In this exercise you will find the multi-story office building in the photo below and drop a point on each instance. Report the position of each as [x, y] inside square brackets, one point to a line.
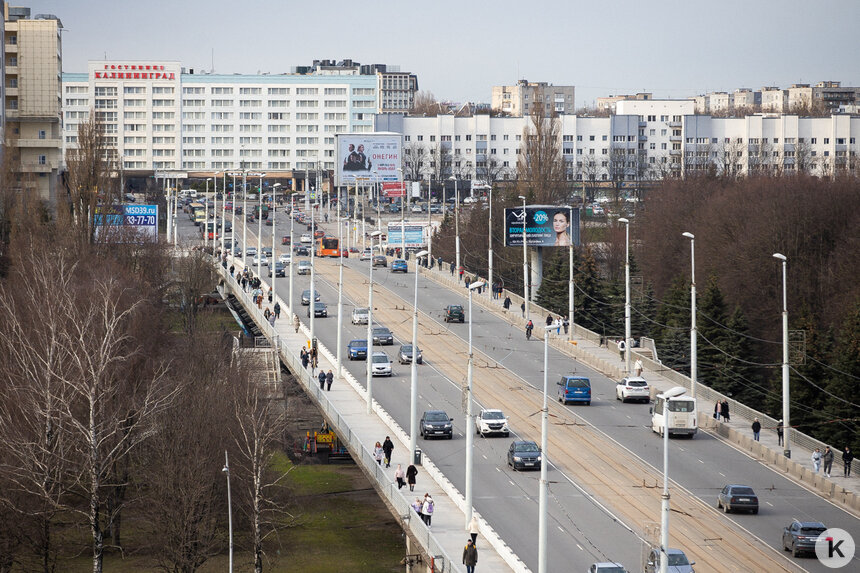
[33, 65]
[519, 100]
[161, 118]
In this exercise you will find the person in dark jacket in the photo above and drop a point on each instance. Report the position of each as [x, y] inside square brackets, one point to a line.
[847, 458]
[305, 358]
[507, 303]
[329, 378]
[756, 428]
[321, 378]
[387, 447]
[724, 410]
[411, 474]
[470, 556]
[827, 458]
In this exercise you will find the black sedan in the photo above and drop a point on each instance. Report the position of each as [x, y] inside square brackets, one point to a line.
[735, 497]
[320, 310]
[524, 454]
[379, 261]
[382, 336]
[405, 355]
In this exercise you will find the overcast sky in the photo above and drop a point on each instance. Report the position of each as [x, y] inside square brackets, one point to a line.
[460, 49]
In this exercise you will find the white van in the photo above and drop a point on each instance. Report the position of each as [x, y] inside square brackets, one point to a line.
[680, 409]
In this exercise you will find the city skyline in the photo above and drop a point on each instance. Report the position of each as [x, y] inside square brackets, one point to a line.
[459, 51]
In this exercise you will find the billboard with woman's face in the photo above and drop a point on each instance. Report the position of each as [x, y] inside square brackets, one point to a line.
[545, 226]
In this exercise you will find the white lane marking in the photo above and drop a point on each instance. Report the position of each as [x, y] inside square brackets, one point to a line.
[722, 474]
[560, 528]
[580, 547]
[769, 503]
[512, 483]
[701, 462]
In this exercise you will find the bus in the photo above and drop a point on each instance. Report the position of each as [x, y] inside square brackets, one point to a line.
[328, 247]
[265, 212]
[210, 227]
[199, 215]
[192, 209]
[680, 409]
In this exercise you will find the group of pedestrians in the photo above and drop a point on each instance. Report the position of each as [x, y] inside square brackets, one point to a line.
[325, 379]
[425, 508]
[721, 410]
[558, 322]
[309, 358]
[826, 457]
[382, 452]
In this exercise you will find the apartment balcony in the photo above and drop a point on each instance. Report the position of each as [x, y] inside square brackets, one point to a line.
[643, 124]
[643, 138]
[53, 143]
[675, 152]
[11, 48]
[675, 124]
[676, 138]
[11, 71]
[12, 92]
[35, 168]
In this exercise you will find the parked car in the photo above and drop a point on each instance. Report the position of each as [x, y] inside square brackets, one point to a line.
[320, 310]
[280, 269]
[357, 349]
[360, 315]
[380, 364]
[379, 261]
[735, 497]
[633, 388]
[800, 536]
[382, 336]
[435, 208]
[607, 567]
[405, 355]
[454, 313]
[524, 454]
[306, 296]
[574, 389]
[398, 266]
[491, 421]
[304, 267]
[436, 423]
[678, 562]
[365, 255]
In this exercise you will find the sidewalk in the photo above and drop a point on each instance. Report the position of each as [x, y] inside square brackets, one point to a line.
[345, 408]
[586, 348]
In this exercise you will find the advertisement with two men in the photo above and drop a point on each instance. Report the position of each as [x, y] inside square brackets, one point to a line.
[368, 157]
[545, 226]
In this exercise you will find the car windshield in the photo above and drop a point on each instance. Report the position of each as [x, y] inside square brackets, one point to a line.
[611, 569]
[358, 343]
[380, 359]
[319, 305]
[527, 447]
[493, 416]
[811, 531]
[383, 331]
[576, 383]
[742, 491]
[455, 308]
[406, 349]
[436, 417]
[677, 559]
[638, 383]
[681, 405]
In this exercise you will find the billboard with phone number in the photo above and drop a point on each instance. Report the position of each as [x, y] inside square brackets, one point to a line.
[545, 226]
[137, 223]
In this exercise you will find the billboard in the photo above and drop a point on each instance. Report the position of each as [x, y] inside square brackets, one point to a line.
[545, 225]
[369, 156]
[393, 189]
[414, 234]
[138, 223]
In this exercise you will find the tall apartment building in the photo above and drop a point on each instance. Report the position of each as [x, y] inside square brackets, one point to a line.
[33, 67]
[396, 89]
[823, 96]
[519, 100]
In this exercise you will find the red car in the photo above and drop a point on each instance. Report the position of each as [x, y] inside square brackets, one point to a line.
[285, 240]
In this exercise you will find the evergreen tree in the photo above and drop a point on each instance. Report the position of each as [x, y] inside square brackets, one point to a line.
[710, 324]
[842, 384]
[553, 291]
[587, 294]
[672, 332]
[807, 402]
[644, 312]
[734, 375]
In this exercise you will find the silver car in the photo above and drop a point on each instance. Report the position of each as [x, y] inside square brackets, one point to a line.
[304, 268]
[360, 315]
[381, 365]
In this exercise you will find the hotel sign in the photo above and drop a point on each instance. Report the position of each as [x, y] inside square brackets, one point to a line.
[134, 72]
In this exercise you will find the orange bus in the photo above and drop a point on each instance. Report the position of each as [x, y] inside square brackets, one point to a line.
[328, 247]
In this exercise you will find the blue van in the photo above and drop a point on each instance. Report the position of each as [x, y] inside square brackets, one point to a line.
[574, 389]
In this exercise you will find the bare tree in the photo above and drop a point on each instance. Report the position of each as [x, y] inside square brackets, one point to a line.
[591, 173]
[426, 105]
[440, 162]
[195, 277]
[416, 155]
[804, 161]
[540, 167]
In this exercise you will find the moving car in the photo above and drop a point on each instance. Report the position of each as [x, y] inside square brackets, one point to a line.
[365, 255]
[678, 562]
[381, 365]
[379, 261]
[607, 567]
[574, 389]
[735, 497]
[306, 296]
[436, 423]
[800, 536]
[304, 268]
[306, 239]
[357, 349]
[435, 208]
[360, 315]
[524, 454]
[262, 260]
[251, 252]
[398, 266]
[416, 209]
[301, 251]
[405, 355]
[320, 310]
[491, 421]
[382, 336]
[633, 388]
[267, 251]
[285, 258]
[280, 269]
[454, 313]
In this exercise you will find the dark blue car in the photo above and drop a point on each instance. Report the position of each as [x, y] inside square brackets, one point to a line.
[357, 349]
[398, 266]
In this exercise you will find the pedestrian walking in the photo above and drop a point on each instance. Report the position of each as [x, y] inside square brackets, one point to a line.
[816, 460]
[296, 323]
[411, 474]
[400, 476]
[277, 310]
[321, 378]
[847, 458]
[827, 458]
[440, 265]
[452, 269]
[232, 270]
[304, 357]
[474, 529]
[779, 432]
[549, 320]
[566, 324]
[523, 308]
[272, 320]
[314, 358]
[387, 447]
[427, 509]
[329, 378]
[717, 410]
[460, 275]
[270, 295]
[507, 303]
[378, 453]
[470, 556]
[266, 313]
[637, 367]
[417, 505]
[756, 428]
[724, 411]
[468, 280]
[622, 346]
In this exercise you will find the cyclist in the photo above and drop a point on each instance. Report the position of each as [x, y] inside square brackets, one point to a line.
[529, 327]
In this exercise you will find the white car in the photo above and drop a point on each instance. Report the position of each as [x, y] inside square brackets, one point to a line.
[467, 200]
[251, 252]
[285, 258]
[262, 260]
[360, 315]
[304, 268]
[306, 239]
[633, 388]
[491, 421]
[366, 254]
[380, 364]
[416, 209]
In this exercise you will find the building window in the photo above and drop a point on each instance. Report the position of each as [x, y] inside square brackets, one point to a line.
[43, 160]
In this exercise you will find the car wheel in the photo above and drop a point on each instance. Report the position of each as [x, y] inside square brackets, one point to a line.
[719, 504]
[794, 551]
[588, 403]
[450, 436]
[755, 511]
[726, 509]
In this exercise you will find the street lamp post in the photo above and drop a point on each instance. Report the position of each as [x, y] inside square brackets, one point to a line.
[233, 225]
[206, 216]
[456, 225]
[470, 422]
[403, 204]
[544, 432]
[694, 360]
[525, 262]
[664, 503]
[489, 244]
[312, 300]
[339, 291]
[226, 470]
[626, 294]
[786, 423]
[373, 235]
[273, 266]
[245, 214]
[292, 249]
[260, 230]
[413, 396]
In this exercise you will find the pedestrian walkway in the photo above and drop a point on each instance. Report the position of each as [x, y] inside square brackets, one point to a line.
[603, 356]
[345, 408]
